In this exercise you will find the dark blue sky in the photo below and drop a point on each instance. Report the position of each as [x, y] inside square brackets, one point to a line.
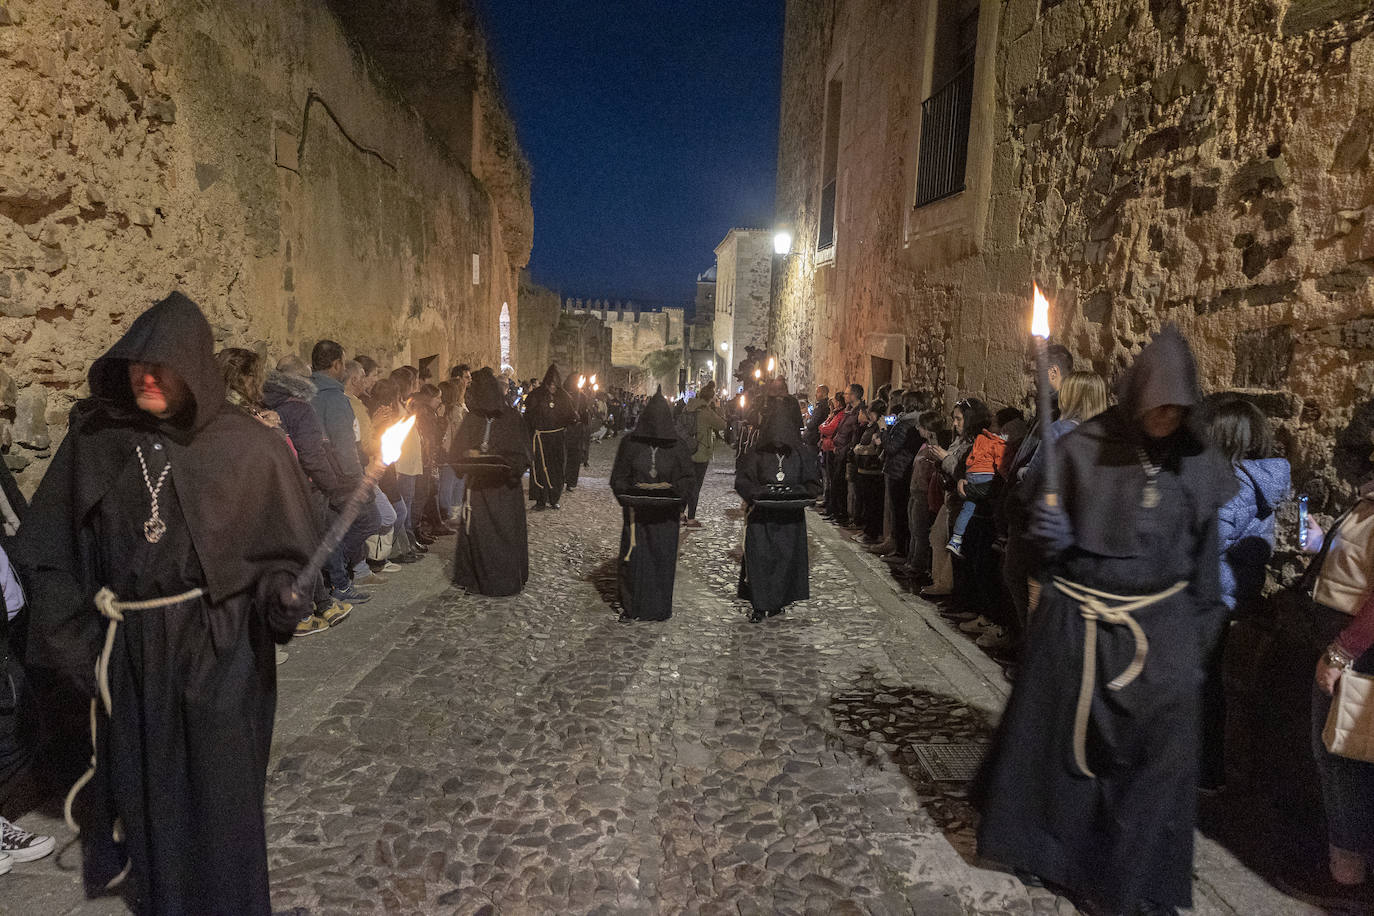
[652, 129]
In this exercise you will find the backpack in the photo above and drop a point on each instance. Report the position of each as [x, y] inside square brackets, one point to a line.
[686, 424]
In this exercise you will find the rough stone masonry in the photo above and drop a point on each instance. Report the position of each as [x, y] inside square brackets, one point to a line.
[253, 155]
[1146, 160]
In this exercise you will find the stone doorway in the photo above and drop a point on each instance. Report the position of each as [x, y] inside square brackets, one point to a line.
[880, 373]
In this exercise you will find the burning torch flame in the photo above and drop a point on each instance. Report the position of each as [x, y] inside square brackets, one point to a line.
[758, 373]
[392, 439]
[771, 363]
[741, 402]
[593, 381]
[595, 387]
[1040, 316]
[581, 380]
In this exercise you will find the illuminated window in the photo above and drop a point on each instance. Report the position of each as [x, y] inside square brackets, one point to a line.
[505, 335]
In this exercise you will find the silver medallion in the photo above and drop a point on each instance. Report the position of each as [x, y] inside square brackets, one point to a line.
[154, 529]
[780, 476]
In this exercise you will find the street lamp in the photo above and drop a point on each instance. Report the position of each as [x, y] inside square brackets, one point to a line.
[782, 243]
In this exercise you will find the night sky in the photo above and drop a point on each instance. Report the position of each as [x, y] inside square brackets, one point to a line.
[652, 130]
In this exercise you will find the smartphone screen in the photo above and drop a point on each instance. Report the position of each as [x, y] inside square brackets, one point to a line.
[890, 419]
[1302, 522]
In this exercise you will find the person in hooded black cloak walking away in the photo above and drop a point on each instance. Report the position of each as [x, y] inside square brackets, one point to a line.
[183, 520]
[548, 415]
[491, 453]
[1090, 784]
[577, 441]
[651, 478]
[778, 477]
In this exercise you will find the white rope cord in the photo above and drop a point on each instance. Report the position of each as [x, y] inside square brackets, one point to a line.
[113, 610]
[1111, 609]
[632, 536]
[543, 461]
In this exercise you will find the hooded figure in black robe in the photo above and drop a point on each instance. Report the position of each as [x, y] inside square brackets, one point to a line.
[651, 477]
[1090, 784]
[776, 477]
[548, 414]
[577, 440]
[181, 754]
[490, 452]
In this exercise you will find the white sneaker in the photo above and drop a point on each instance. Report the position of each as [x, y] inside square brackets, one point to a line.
[21, 845]
[6, 863]
[390, 567]
[976, 625]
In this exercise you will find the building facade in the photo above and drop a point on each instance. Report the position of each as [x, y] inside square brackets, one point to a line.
[744, 274]
[1146, 161]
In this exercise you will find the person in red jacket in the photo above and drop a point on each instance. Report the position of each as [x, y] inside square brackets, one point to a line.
[984, 459]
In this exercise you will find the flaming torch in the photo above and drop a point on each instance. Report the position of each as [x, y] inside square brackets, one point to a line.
[581, 380]
[1040, 331]
[593, 381]
[304, 584]
[772, 364]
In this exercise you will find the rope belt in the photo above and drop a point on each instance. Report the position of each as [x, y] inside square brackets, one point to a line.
[113, 610]
[632, 535]
[1114, 610]
[543, 461]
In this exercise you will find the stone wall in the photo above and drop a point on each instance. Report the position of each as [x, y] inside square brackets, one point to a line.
[538, 318]
[1146, 160]
[582, 343]
[251, 155]
[744, 275]
[634, 334]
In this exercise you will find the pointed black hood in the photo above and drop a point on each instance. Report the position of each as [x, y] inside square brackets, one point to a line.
[173, 333]
[656, 421]
[1165, 372]
[485, 394]
[552, 375]
[782, 425]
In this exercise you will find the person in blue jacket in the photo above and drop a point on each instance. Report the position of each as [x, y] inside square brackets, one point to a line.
[1245, 532]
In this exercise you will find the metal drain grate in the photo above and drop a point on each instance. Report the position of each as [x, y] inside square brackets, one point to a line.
[945, 762]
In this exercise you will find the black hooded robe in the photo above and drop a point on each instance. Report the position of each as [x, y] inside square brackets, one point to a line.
[491, 556]
[1123, 835]
[577, 442]
[548, 414]
[776, 571]
[652, 454]
[181, 762]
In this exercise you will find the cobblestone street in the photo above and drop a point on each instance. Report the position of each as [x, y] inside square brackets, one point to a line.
[441, 753]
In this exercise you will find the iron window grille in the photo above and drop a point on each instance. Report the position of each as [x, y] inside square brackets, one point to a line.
[945, 120]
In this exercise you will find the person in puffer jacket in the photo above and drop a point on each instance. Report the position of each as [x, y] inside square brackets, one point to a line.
[1245, 532]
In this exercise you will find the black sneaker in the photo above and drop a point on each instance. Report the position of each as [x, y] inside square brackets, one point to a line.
[21, 845]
